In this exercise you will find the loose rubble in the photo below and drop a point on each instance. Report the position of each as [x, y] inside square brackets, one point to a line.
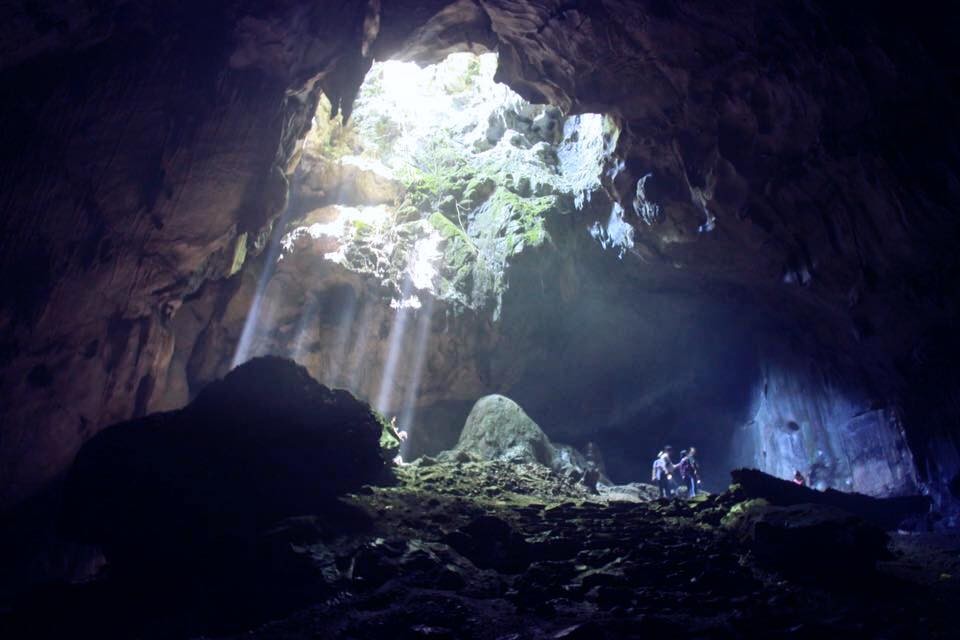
[472, 549]
[488, 549]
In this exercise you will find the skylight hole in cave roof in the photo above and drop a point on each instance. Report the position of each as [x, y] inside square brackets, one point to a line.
[442, 171]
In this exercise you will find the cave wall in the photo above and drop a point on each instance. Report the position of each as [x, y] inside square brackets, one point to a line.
[140, 141]
[807, 417]
[803, 155]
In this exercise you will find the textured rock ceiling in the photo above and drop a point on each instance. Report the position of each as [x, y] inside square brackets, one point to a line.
[815, 144]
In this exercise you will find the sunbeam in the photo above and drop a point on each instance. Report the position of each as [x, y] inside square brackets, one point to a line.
[420, 350]
[303, 328]
[394, 350]
[253, 320]
[357, 346]
[341, 342]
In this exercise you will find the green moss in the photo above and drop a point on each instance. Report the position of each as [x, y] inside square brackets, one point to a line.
[478, 189]
[239, 253]
[460, 251]
[464, 82]
[361, 227]
[529, 213]
[480, 209]
[446, 228]
[439, 169]
[535, 237]
[741, 511]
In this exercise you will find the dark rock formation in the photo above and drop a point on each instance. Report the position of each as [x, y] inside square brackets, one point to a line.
[884, 512]
[837, 434]
[264, 443]
[810, 540]
[490, 543]
[783, 195]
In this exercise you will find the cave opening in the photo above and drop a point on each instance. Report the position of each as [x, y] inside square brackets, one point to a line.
[418, 206]
[453, 240]
[484, 252]
[548, 239]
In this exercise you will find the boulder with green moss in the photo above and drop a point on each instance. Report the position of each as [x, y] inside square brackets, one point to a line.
[497, 428]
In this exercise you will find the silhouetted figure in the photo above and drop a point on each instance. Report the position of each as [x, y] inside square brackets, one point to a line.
[799, 479]
[663, 472]
[594, 468]
[594, 456]
[689, 471]
[590, 478]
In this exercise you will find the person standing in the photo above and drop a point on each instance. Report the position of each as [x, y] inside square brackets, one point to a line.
[798, 479]
[663, 471]
[690, 471]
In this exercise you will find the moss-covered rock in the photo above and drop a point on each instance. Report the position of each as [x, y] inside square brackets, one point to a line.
[498, 429]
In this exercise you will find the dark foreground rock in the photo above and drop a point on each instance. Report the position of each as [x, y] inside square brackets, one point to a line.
[887, 513]
[174, 489]
[809, 540]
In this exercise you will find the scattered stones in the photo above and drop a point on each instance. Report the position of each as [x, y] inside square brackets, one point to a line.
[490, 543]
[586, 631]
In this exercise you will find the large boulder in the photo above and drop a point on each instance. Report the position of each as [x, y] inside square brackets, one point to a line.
[887, 513]
[264, 443]
[809, 540]
[498, 429]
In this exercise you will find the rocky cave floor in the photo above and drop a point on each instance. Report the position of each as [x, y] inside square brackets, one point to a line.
[494, 550]
[486, 549]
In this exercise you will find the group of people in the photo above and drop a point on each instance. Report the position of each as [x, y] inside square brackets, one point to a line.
[674, 479]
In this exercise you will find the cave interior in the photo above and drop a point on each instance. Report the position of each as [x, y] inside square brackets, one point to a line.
[547, 239]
